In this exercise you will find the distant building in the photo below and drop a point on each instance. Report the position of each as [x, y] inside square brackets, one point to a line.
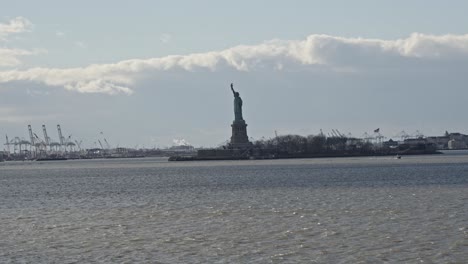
[182, 148]
[440, 142]
[456, 144]
[415, 141]
[390, 143]
[450, 141]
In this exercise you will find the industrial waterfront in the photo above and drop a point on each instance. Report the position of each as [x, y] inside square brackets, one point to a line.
[42, 146]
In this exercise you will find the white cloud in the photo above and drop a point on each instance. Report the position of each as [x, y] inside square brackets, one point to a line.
[81, 44]
[36, 92]
[10, 57]
[165, 38]
[180, 142]
[344, 55]
[431, 46]
[59, 34]
[15, 25]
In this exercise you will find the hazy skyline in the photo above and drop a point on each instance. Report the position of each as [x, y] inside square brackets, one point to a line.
[148, 73]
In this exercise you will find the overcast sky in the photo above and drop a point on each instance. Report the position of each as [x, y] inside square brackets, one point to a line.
[154, 73]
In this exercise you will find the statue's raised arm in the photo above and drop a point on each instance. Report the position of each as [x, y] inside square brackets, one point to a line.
[232, 89]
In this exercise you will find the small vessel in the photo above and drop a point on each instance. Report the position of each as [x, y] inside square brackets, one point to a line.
[398, 156]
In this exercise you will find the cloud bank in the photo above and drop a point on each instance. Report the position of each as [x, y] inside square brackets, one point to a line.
[14, 26]
[9, 57]
[316, 51]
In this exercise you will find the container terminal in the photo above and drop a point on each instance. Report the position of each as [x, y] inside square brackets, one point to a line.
[42, 147]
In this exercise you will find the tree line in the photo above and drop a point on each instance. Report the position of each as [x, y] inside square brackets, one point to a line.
[314, 144]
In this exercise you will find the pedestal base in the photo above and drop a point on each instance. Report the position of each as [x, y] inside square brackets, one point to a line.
[239, 138]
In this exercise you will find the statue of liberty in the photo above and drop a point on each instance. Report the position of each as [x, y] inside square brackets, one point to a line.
[237, 105]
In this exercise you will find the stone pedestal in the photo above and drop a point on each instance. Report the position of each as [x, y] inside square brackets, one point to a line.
[239, 138]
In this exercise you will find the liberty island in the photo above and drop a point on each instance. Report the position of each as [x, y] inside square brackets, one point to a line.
[294, 146]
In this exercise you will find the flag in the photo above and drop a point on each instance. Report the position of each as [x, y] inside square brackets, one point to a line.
[377, 130]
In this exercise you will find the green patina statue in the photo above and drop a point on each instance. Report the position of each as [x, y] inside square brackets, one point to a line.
[237, 105]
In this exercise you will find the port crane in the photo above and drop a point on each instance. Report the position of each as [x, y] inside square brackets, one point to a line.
[61, 138]
[31, 136]
[46, 137]
[35, 146]
[107, 143]
[7, 144]
[100, 144]
[79, 144]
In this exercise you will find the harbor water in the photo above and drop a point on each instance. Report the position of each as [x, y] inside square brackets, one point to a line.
[328, 210]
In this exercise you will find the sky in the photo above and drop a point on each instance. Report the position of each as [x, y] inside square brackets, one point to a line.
[157, 73]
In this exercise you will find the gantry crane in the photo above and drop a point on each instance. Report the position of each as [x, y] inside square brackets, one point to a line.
[46, 137]
[61, 139]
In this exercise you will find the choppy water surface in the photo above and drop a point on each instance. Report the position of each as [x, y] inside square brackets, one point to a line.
[342, 210]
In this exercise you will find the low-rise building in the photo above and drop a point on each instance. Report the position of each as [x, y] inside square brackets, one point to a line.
[457, 144]
[450, 141]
